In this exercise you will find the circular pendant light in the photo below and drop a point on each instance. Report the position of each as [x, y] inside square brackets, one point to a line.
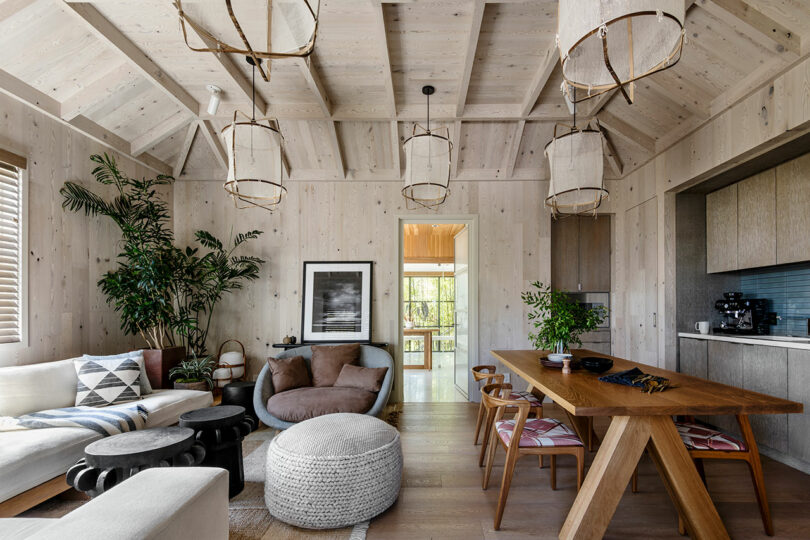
[427, 164]
[608, 44]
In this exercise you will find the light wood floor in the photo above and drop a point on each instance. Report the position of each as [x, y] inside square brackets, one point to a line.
[441, 495]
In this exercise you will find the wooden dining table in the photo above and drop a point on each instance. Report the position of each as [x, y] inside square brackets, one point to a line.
[639, 421]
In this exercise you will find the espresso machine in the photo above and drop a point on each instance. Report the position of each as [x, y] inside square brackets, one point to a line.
[744, 316]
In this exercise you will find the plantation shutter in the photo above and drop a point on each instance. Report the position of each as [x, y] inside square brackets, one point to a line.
[10, 253]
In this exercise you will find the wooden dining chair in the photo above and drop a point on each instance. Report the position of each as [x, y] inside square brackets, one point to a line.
[523, 436]
[487, 374]
[705, 442]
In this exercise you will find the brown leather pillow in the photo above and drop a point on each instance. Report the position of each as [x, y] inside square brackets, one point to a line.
[289, 373]
[328, 360]
[365, 378]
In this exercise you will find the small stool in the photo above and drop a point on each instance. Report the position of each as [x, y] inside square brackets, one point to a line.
[241, 393]
[221, 430]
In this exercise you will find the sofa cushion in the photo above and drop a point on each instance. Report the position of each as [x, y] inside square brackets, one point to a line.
[328, 360]
[304, 403]
[36, 387]
[361, 377]
[166, 406]
[146, 386]
[289, 373]
[22, 527]
[108, 382]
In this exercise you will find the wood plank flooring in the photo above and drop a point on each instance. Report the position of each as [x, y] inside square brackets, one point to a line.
[441, 495]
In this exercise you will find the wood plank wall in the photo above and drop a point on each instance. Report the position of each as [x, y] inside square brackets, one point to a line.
[359, 221]
[67, 253]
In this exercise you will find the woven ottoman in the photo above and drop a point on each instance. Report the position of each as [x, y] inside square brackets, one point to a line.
[333, 471]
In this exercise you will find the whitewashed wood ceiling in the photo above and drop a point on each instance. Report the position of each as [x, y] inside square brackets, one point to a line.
[119, 71]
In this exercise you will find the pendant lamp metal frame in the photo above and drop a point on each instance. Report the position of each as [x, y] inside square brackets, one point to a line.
[222, 47]
[625, 87]
[443, 134]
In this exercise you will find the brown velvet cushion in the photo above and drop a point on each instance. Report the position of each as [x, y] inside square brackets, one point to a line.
[304, 403]
[289, 373]
[361, 377]
[328, 360]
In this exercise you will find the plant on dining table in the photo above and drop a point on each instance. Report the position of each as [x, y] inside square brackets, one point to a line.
[558, 319]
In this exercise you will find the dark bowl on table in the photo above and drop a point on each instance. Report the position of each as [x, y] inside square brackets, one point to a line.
[595, 364]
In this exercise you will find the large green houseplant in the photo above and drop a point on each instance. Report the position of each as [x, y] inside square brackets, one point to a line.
[558, 319]
[163, 293]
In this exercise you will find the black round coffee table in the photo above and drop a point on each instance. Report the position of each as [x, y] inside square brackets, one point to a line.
[241, 393]
[221, 429]
[112, 460]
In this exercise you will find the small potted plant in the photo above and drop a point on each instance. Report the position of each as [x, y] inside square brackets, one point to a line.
[558, 319]
[193, 374]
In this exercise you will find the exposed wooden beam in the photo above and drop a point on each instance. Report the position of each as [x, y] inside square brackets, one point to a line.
[629, 133]
[315, 85]
[234, 73]
[547, 64]
[334, 140]
[160, 132]
[43, 103]
[511, 158]
[595, 104]
[185, 149]
[469, 58]
[382, 38]
[109, 34]
[611, 155]
[747, 12]
[395, 148]
[210, 135]
[456, 149]
[744, 28]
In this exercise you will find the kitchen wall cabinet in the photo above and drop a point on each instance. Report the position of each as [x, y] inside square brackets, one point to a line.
[765, 371]
[580, 254]
[756, 220]
[721, 230]
[694, 357]
[793, 209]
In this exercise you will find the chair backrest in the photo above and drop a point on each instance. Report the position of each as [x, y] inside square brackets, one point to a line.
[486, 373]
[369, 356]
[494, 398]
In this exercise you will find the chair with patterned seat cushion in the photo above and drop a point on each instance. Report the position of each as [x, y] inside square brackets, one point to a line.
[523, 436]
[705, 442]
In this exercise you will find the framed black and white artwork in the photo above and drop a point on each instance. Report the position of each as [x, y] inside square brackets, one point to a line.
[337, 302]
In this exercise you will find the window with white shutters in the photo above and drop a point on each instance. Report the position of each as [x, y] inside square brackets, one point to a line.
[11, 246]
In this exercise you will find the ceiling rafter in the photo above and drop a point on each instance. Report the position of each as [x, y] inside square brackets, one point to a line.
[395, 148]
[160, 132]
[626, 131]
[382, 38]
[185, 149]
[109, 34]
[742, 26]
[455, 150]
[469, 56]
[512, 156]
[210, 135]
[550, 60]
[611, 155]
[748, 13]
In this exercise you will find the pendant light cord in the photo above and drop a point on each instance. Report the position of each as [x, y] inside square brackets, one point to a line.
[253, 84]
[575, 107]
[428, 112]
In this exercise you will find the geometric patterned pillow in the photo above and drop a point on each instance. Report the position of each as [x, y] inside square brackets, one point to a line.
[107, 382]
[146, 388]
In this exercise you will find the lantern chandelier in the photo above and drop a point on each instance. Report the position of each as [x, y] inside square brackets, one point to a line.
[255, 167]
[576, 162]
[293, 25]
[608, 44]
[427, 164]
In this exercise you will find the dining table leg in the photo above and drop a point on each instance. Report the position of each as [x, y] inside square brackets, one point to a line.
[613, 466]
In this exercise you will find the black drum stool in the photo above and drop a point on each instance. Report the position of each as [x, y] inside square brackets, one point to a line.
[241, 393]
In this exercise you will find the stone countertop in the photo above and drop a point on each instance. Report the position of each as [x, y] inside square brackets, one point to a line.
[769, 341]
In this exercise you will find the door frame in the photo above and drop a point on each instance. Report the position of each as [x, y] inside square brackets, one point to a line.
[471, 221]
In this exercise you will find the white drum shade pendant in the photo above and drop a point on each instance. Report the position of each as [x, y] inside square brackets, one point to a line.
[256, 170]
[261, 30]
[576, 162]
[607, 44]
[427, 164]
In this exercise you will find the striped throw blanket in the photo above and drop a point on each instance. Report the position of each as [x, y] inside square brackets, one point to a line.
[106, 421]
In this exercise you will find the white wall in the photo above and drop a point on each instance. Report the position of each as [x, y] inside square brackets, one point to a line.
[67, 252]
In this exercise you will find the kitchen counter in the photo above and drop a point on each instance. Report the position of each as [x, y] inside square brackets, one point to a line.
[770, 341]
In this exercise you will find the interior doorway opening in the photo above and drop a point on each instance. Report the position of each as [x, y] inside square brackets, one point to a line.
[435, 289]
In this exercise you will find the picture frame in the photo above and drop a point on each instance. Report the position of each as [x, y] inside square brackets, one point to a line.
[336, 302]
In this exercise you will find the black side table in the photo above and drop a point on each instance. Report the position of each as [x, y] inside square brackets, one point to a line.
[241, 393]
[221, 430]
[112, 460]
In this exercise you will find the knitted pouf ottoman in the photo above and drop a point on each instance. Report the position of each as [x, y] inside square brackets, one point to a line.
[333, 471]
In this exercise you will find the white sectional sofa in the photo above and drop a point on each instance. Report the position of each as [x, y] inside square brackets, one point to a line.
[193, 503]
[30, 458]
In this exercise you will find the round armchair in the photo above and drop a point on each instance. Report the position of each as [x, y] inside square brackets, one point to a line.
[371, 357]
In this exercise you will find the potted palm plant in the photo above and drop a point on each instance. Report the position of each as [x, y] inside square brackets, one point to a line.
[193, 374]
[558, 319]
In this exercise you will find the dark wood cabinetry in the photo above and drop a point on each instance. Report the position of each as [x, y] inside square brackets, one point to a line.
[580, 254]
